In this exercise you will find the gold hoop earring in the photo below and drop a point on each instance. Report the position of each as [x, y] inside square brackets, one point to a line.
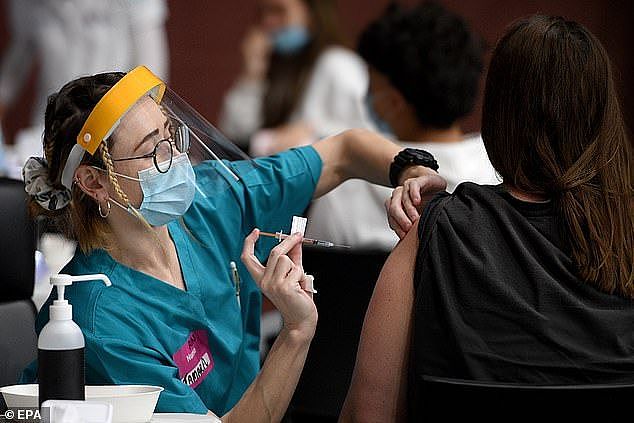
[101, 211]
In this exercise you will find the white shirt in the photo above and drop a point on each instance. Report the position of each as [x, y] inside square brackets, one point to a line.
[334, 97]
[332, 100]
[354, 213]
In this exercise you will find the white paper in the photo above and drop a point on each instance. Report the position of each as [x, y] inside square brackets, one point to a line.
[298, 225]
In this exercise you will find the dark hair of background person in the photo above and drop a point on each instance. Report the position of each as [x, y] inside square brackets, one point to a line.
[66, 113]
[552, 125]
[288, 75]
[430, 56]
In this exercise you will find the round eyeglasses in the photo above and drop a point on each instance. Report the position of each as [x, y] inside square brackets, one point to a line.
[163, 152]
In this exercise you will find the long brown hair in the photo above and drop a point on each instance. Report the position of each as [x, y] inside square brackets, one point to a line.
[552, 125]
[288, 74]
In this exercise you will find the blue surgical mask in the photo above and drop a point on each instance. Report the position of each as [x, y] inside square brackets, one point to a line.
[167, 196]
[381, 125]
[290, 39]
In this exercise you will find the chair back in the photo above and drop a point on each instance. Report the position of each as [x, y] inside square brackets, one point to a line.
[18, 342]
[17, 247]
[345, 282]
[457, 398]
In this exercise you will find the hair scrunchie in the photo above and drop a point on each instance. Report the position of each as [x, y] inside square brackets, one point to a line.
[37, 185]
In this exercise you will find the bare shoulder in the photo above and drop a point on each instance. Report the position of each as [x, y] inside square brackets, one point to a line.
[404, 254]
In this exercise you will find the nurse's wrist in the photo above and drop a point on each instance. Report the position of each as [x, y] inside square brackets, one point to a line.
[411, 163]
[414, 171]
[299, 334]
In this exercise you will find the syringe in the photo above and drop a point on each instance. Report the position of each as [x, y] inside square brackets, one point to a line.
[308, 241]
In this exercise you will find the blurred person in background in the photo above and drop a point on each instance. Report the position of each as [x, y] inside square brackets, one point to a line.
[71, 38]
[299, 82]
[424, 66]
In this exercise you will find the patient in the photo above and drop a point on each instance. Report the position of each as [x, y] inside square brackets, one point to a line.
[530, 281]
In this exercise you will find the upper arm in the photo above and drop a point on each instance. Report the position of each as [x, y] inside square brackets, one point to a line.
[333, 173]
[355, 153]
[279, 187]
[379, 383]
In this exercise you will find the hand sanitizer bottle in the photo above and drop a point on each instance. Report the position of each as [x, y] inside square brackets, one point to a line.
[60, 346]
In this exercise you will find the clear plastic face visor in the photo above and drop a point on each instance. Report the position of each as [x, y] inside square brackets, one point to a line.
[217, 161]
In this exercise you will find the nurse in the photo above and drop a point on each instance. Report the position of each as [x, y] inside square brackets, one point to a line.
[161, 202]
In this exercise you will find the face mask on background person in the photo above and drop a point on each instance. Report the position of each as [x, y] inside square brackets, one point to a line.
[290, 39]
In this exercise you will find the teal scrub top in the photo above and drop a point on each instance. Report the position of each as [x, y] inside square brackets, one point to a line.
[198, 344]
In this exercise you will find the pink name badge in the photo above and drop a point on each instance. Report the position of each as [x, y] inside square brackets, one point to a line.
[193, 359]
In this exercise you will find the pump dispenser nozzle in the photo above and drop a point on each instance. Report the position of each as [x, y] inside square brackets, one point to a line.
[60, 309]
[64, 280]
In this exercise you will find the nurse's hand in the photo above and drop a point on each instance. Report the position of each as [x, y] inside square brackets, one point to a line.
[284, 282]
[406, 204]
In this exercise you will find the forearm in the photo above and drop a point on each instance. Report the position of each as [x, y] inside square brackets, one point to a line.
[368, 155]
[355, 153]
[267, 398]
[363, 154]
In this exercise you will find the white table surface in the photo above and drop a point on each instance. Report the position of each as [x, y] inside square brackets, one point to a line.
[183, 417]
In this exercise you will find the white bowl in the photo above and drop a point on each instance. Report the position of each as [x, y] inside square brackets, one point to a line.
[130, 403]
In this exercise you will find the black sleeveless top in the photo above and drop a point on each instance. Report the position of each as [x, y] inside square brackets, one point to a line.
[497, 299]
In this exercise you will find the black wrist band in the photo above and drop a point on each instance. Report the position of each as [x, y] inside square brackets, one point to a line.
[409, 157]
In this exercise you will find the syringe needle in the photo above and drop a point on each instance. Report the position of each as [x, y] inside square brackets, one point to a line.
[308, 241]
[273, 235]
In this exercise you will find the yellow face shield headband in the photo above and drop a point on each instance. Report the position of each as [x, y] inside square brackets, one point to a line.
[107, 114]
